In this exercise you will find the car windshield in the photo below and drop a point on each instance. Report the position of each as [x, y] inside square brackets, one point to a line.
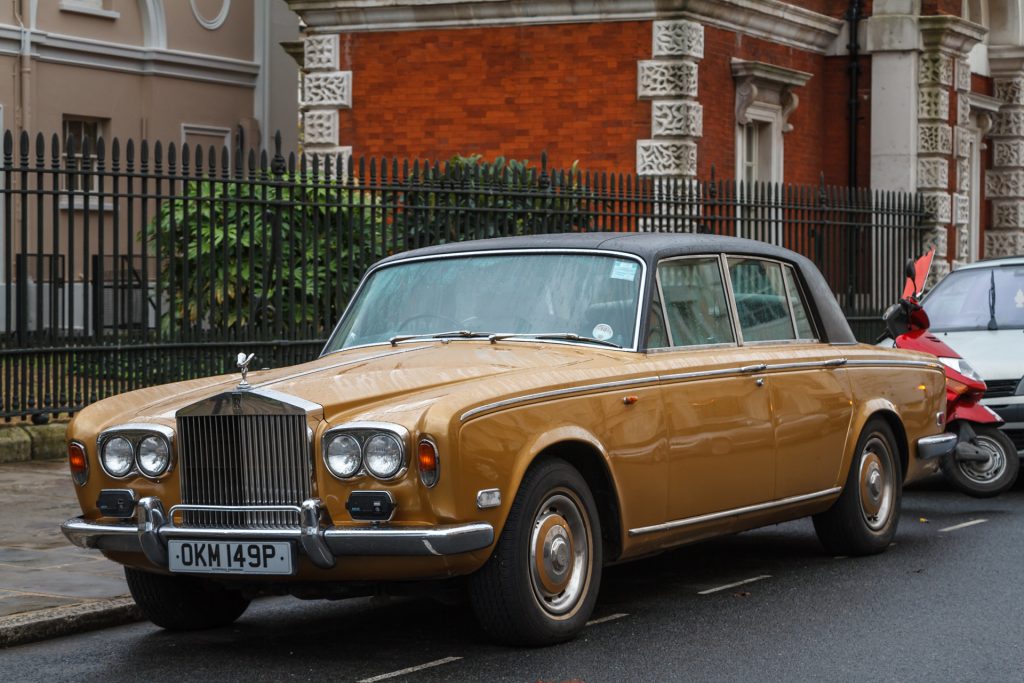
[587, 298]
[969, 299]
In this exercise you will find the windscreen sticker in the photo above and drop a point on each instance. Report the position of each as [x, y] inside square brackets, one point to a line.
[603, 332]
[624, 270]
[1019, 299]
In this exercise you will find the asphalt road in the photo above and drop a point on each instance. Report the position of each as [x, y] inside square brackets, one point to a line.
[945, 603]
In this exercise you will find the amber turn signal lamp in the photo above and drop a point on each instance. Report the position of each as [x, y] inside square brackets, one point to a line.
[956, 387]
[430, 466]
[78, 463]
[630, 400]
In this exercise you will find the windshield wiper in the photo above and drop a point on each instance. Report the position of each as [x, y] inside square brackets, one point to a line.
[992, 324]
[552, 335]
[460, 334]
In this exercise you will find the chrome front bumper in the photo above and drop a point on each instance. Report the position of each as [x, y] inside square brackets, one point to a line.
[322, 544]
[938, 446]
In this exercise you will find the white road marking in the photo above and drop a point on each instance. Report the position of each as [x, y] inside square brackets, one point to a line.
[733, 585]
[610, 617]
[411, 669]
[964, 525]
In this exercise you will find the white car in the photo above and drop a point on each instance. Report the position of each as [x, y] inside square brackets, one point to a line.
[979, 311]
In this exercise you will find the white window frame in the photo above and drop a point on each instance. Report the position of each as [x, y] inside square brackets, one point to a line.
[209, 131]
[79, 200]
[762, 113]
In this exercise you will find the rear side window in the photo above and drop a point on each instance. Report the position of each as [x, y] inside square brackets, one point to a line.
[762, 305]
[694, 299]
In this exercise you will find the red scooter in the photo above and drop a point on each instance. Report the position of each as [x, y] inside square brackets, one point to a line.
[985, 461]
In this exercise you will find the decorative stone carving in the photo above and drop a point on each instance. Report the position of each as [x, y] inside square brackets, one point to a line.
[963, 75]
[933, 103]
[1008, 183]
[963, 111]
[320, 52]
[1008, 214]
[1008, 123]
[328, 89]
[760, 82]
[678, 39]
[1010, 90]
[1008, 152]
[320, 127]
[961, 209]
[332, 160]
[963, 175]
[963, 245]
[666, 79]
[1004, 243]
[666, 157]
[935, 68]
[932, 174]
[938, 205]
[962, 142]
[677, 118]
[934, 138]
[937, 236]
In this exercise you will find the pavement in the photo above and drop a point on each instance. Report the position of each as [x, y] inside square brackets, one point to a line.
[49, 587]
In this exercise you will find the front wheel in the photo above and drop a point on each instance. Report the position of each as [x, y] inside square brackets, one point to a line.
[540, 584]
[184, 603]
[985, 478]
[863, 521]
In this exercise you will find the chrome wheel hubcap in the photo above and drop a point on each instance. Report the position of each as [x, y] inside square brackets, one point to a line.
[876, 483]
[560, 555]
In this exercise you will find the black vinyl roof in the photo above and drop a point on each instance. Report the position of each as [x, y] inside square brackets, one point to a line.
[653, 247]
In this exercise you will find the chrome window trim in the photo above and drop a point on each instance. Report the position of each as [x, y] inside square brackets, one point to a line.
[723, 276]
[641, 295]
[699, 519]
[803, 302]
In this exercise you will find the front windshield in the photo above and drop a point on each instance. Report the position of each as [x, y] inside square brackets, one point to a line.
[593, 296]
[961, 301]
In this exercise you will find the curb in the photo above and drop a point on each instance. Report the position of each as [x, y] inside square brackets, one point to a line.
[66, 620]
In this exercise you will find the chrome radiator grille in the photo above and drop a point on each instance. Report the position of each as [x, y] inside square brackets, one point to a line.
[235, 460]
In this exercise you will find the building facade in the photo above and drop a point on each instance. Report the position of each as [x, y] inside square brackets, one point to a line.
[909, 95]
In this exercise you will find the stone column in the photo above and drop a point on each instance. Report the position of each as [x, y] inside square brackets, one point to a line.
[325, 90]
[1004, 183]
[677, 118]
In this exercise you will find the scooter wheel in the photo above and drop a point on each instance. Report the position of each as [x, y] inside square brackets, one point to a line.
[988, 478]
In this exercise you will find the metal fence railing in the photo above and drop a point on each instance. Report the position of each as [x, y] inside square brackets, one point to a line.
[135, 264]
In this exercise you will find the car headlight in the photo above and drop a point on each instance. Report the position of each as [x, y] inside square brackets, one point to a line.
[962, 366]
[154, 456]
[384, 455]
[117, 456]
[343, 456]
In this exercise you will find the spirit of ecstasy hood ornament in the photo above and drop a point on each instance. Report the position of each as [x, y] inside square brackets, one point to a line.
[243, 365]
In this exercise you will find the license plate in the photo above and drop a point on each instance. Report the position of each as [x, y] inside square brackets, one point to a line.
[230, 557]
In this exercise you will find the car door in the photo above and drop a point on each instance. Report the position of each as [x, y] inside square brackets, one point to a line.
[810, 396]
[718, 416]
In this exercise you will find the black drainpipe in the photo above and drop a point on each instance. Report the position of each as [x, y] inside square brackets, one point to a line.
[853, 16]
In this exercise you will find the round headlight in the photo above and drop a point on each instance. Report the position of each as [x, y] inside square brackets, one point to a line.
[343, 456]
[154, 456]
[384, 456]
[117, 456]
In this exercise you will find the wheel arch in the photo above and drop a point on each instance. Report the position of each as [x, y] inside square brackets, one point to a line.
[886, 411]
[591, 463]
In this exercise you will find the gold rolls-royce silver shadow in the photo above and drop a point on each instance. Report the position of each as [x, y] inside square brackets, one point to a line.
[507, 417]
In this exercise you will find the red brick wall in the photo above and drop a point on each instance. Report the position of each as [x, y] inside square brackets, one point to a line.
[515, 92]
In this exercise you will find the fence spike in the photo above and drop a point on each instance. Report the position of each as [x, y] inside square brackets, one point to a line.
[115, 154]
[55, 150]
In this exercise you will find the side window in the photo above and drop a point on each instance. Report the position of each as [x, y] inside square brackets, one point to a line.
[796, 303]
[657, 334]
[761, 303]
[695, 303]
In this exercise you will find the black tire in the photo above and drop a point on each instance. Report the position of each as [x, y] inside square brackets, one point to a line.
[184, 603]
[864, 519]
[522, 602]
[985, 479]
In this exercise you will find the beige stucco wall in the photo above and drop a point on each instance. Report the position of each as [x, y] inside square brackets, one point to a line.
[125, 29]
[234, 39]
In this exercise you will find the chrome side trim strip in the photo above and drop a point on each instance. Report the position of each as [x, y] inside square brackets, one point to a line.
[689, 521]
[555, 394]
[895, 363]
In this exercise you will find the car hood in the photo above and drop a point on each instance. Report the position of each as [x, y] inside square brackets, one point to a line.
[382, 381]
[995, 354]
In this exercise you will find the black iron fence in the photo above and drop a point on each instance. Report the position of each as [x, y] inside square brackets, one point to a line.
[136, 264]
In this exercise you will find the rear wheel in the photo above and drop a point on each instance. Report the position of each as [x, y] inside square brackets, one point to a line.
[983, 479]
[184, 603]
[863, 521]
[540, 584]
